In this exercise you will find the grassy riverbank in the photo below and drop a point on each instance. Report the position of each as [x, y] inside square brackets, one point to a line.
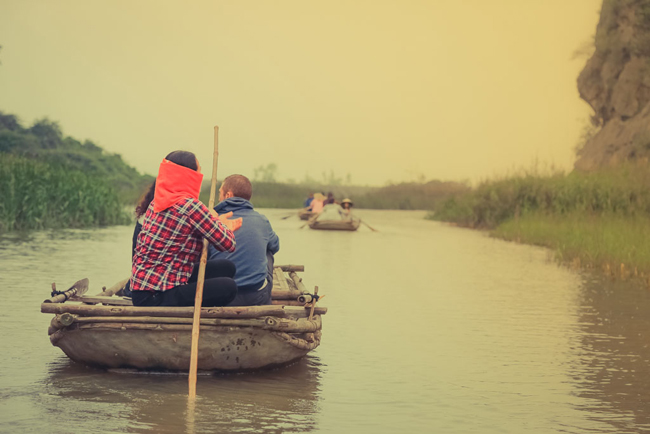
[616, 244]
[594, 220]
[39, 195]
[44, 141]
[49, 180]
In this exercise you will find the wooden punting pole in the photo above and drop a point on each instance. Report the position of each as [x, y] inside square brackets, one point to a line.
[198, 300]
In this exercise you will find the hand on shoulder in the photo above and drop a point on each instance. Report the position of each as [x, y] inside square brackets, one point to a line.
[232, 224]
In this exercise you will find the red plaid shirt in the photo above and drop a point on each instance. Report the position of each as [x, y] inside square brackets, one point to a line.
[170, 243]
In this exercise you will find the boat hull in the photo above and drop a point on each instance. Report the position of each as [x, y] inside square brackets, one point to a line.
[107, 331]
[335, 225]
[165, 349]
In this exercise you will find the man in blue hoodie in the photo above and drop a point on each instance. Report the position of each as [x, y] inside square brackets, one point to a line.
[256, 243]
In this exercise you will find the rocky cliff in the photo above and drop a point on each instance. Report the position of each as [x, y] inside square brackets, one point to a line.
[616, 84]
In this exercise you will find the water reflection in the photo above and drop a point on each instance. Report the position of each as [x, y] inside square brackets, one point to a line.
[613, 369]
[427, 324]
[282, 400]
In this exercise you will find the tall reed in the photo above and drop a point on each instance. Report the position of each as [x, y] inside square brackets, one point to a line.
[615, 243]
[37, 195]
[594, 220]
[624, 190]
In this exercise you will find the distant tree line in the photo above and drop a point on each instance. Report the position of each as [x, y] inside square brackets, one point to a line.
[405, 196]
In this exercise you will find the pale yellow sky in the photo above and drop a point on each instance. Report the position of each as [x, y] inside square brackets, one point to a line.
[383, 90]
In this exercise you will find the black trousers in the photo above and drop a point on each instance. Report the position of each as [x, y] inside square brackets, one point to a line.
[253, 295]
[219, 288]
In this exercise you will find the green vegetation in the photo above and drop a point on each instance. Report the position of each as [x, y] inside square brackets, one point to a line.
[410, 195]
[616, 243]
[44, 141]
[597, 219]
[407, 196]
[38, 195]
[48, 180]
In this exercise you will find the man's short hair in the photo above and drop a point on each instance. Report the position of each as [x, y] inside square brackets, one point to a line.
[239, 185]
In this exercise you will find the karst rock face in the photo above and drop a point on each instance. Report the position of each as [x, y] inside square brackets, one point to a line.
[616, 84]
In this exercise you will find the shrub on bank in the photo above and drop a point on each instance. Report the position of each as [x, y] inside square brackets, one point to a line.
[38, 195]
[625, 190]
[594, 220]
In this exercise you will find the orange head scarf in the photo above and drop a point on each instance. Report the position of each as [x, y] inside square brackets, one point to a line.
[175, 183]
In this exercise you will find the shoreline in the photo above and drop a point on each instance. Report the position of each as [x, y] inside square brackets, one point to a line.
[611, 244]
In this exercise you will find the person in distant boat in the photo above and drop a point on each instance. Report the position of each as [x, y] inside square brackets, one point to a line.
[330, 198]
[256, 243]
[308, 200]
[168, 246]
[317, 204]
[346, 208]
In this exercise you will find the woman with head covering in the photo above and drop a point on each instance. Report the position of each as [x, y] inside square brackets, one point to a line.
[169, 244]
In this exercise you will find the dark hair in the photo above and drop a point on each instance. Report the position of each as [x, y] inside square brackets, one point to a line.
[239, 185]
[183, 158]
[145, 200]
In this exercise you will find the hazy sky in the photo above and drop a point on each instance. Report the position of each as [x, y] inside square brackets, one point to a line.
[383, 90]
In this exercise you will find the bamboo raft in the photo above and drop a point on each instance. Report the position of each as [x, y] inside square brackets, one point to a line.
[304, 214]
[335, 225]
[107, 331]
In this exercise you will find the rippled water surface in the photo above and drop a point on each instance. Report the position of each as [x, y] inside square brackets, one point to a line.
[430, 328]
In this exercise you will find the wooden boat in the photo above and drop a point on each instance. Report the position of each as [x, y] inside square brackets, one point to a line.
[304, 214]
[107, 331]
[335, 225]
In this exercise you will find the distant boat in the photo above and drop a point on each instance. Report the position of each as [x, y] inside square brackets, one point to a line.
[335, 225]
[107, 331]
[333, 218]
[305, 214]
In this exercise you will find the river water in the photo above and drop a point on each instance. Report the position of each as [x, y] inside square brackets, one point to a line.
[431, 328]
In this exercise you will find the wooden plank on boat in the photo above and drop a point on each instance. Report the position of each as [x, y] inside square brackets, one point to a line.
[113, 301]
[282, 280]
[277, 279]
[206, 312]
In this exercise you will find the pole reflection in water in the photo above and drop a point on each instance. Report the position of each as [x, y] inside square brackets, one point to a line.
[280, 400]
[613, 373]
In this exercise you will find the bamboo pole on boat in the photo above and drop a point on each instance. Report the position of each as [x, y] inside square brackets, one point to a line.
[297, 281]
[300, 325]
[113, 289]
[198, 299]
[310, 327]
[180, 311]
[77, 289]
[285, 294]
[299, 268]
